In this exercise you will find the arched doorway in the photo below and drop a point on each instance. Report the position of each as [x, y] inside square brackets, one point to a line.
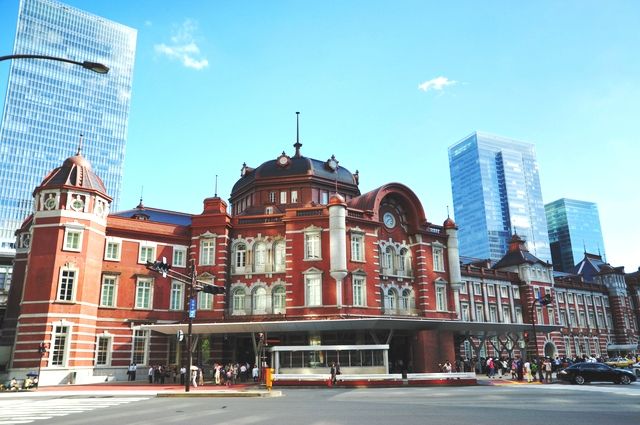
[550, 349]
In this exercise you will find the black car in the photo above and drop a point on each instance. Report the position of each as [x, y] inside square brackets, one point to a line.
[579, 373]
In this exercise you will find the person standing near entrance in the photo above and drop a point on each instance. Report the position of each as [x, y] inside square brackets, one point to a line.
[183, 374]
[132, 371]
[548, 368]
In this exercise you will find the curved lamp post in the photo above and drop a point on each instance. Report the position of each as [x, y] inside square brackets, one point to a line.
[92, 66]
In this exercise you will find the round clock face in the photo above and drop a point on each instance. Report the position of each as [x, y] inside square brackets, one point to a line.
[332, 164]
[283, 160]
[50, 203]
[389, 220]
[99, 210]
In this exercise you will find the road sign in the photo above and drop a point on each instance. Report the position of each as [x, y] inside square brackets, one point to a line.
[192, 308]
[180, 335]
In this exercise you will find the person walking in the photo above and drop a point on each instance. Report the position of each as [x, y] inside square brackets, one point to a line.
[151, 374]
[334, 372]
[183, 374]
[548, 368]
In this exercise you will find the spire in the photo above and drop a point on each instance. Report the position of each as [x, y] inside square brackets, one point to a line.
[141, 205]
[215, 192]
[79, 146]
[297, 145]
[448, 216]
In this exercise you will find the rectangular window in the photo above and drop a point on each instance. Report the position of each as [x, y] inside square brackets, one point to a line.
[570, 298]
[112, 250]
[272, 197]
[560, 296]
[506, 314]
[491, 290]
[324, 197]
[536, 292]
[357, 247]
[140, 344]
[143, 293]
[205, 301]
[146, 253]
[66, 285]
[588, 299]
[59, 346]
[313, 289]
[572, 319]
[516, 293]
[294, 196]
[179, 257]
[479, 313]
[312, 246]
[579, 299]
[102, 350]
[582, 319]
[539, 318]
[207, 252]
[441, 298]
[493, 313]
[504, 291]
[176, 300]
[463, 288]
[464, 312]
[283, 197]
[108, 291]
[518, 311]
[359, 291]
[551, 315]
[477, 288]
[438, 259]
[72, 240]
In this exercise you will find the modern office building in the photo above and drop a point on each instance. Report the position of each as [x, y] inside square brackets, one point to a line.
[496, 193]
[50, 104]
[574, 229]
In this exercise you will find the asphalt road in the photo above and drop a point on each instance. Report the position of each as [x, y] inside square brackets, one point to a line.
[541, 404]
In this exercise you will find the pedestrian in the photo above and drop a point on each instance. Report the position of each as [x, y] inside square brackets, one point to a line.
[183, 374]
[134, 369]
[255, 373]
[243, 372]
[151, 371]
[548, 367]
[194, 377]
[527, 371]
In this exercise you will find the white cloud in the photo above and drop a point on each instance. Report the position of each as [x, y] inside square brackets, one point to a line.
[437, 83]
[183, 47]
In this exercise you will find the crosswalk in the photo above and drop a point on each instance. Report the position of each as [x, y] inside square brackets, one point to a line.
[29, 410]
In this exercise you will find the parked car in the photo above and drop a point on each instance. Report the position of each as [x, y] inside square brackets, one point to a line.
[580, 373]
[619, 362]
[636, 369]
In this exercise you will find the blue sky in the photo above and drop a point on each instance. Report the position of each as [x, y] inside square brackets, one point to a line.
[385, 86]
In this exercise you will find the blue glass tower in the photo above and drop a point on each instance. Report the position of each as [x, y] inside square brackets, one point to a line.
[496, 192]
[574, 229]
[49, 104]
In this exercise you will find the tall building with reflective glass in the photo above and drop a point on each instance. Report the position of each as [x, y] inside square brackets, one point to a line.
[574, 229]
[49, 104]
[496, 192]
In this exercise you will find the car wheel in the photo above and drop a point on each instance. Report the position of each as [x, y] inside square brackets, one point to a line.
[578, 379]
[624, 379]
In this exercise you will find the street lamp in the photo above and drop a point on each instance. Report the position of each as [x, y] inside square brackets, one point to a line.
[92, 66]
[546, 300]
[195, 286]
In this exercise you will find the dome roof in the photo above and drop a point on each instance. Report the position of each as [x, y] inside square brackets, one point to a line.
[449, 223]
[75, 171]
[295, 166]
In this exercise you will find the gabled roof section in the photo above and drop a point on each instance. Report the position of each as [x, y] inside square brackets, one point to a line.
[590, 266]
[157, 215]
[518, 254]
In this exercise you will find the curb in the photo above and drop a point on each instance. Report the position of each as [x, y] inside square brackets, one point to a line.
[222, 394]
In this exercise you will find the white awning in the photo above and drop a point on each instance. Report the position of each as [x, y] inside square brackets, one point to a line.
[381, 323]
[622, 347]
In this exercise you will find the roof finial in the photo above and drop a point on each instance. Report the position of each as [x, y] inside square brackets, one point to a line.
[448, 216]
[584, 246]
[141, 205]
[79, 146]
[215, 194]
[297, 145]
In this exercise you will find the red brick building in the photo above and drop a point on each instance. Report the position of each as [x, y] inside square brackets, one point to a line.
[314, 271]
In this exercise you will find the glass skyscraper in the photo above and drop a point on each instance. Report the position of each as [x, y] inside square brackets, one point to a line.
[574, 228]
[49, 104]
[496, 192]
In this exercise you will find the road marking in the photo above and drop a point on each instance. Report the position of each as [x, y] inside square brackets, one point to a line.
[28, 410]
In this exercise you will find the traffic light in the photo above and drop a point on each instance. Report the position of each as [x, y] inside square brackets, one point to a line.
[546, 300]
[212, 289]
[159, 266]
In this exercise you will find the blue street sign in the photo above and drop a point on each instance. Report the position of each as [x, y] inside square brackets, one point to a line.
[192, 308]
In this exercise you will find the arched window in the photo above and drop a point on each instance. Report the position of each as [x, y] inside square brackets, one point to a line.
[238, 301]
[387, 260]
[279, 299]
[279, 256]
[259, 300]
[240, 257]
[406, 303]
[392, 300]
[260, 257]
